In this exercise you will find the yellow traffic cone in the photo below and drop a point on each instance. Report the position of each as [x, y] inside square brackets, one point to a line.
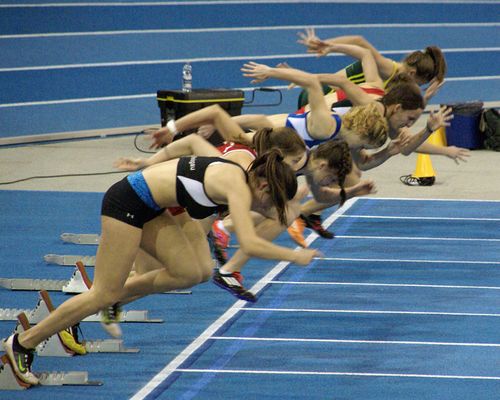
[438, 138]
[424, 170]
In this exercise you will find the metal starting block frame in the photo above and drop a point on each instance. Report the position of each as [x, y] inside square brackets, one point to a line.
[54, 346]
[93, 238]
[44, 305]
[9, 381]
[78, 283]
[70, 260]
[80, 238]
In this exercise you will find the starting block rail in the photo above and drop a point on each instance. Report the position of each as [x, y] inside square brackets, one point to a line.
[107, 346]
[80, 238]
[9, 381]
[56, 346]
[32, 284]
[93, 239]
[44, 305]
[69, 260]
[78, 283]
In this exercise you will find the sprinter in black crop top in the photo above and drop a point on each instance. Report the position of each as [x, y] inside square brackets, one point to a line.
[190, 186]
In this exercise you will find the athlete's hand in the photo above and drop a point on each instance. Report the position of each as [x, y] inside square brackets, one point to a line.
[130, 164]
[439, 119]
[364, 188]
[260, 72]
[457, 154]
[313, 43]
[432, 89]
[161, 137]
[205, 131]
[305, 256]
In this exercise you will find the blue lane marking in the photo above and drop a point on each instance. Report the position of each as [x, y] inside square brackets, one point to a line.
[20, 20]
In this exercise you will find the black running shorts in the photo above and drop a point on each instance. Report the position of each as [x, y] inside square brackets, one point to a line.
[121, 202]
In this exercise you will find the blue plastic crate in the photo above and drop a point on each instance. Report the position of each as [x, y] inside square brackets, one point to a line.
[464, 128]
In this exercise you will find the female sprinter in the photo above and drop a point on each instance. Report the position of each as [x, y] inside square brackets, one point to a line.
[426, 67]
[202, 185]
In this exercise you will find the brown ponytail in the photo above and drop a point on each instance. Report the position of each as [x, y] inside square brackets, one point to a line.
[429, 64]
[285, 139]
[337, 154]
[280, 178]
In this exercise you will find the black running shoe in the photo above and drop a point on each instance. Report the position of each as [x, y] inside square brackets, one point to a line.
[20, 360]
[313, 222]
[230, 283]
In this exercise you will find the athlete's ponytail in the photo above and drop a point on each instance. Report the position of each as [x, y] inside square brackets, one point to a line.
[337, 154]
[280, 178]
[284, 138]
[429, 64]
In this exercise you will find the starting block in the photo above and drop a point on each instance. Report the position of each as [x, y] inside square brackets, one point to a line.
[9, 381]
[80, 238]
[54, 346]
[70, 260]
[44, 305]
[78, 283]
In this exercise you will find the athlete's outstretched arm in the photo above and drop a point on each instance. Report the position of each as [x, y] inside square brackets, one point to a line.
[311, 41]
[191, 144]
[320, 123]
[239, 199]
[353, 92]
[214, 115]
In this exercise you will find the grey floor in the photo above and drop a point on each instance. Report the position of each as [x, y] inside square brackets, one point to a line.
[478, 178]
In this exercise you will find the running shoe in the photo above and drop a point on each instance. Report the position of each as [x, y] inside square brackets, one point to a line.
[220, 242]
[296, 232]
[237, 275]
[20, 359]
[230, 283]
[313, 222]
[69, 339]
[110, 320]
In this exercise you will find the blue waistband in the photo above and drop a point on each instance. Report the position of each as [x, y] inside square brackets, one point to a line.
[138, 183]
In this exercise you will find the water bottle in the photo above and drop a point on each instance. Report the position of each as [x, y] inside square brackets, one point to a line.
[187, 78]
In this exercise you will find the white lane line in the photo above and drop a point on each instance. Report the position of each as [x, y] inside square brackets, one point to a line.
[230, 58]
[333, 373]
[491, 104]
[223, 2]
[412, 285]
[418, 218]
[223, 319]
[432, 239]
[460, 25]
[333, 311]
[396, 342]
[431, 200]
[386, 260]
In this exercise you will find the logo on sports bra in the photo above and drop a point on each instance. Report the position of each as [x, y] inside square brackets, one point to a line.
[192, 163]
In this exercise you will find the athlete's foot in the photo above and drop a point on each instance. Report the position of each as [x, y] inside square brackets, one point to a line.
[110, 320]
[70, 340]
[231, 283]
[20, 359]
[313, 222]
[296, 232]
